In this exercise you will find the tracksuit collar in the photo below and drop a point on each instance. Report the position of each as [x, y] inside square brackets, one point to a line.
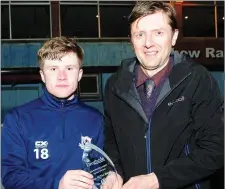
[58, 103]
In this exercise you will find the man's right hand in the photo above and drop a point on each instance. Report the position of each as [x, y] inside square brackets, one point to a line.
[76, 179]
[112, 181]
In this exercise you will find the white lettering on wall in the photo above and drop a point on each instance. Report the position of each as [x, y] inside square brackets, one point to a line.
[209, 53]
[190, 53]
[212, 53]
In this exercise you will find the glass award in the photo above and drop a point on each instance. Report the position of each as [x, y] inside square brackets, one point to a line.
[97, 162]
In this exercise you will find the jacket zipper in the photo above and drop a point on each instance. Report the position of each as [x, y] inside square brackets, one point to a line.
[63, 125]
[148, 152]
[187, 151]
[148, 131]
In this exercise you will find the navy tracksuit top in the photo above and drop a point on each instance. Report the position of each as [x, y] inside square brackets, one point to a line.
[40, 141]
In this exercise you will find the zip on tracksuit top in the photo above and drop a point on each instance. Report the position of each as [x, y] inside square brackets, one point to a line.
[40, 141]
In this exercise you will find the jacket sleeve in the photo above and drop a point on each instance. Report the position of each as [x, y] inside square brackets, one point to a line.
[110, 144]
[208, 156]
[15, 174]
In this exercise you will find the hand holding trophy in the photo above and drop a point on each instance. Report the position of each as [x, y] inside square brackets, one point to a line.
[97, 162]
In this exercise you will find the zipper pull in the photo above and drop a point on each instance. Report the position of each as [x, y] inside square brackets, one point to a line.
[62, 103]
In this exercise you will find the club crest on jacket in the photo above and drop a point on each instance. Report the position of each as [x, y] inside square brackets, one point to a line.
[85, 140]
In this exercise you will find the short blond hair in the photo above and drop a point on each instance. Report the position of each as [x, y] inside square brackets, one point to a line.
[57, 47]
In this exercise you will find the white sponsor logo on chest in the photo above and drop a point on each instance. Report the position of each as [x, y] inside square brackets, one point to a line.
[41, 150]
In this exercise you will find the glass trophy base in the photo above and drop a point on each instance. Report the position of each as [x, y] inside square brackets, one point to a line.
[96, 162]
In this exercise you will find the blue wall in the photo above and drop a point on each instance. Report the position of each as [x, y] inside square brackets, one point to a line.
[96, 54]
[219, 76]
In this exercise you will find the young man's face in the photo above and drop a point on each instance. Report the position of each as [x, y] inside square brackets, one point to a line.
[61, 77]
[152, 40]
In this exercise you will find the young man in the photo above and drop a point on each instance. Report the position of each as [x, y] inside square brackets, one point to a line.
[40, 140]
[163, 111]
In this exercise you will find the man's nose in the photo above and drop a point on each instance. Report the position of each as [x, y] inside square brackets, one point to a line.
[62, 75]
[148, 41]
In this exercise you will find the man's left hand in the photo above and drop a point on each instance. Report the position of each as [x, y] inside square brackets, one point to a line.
[149, 181]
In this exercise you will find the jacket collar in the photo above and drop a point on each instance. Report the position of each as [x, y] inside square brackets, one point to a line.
[125, 82]
[57, 103]
[125, 86]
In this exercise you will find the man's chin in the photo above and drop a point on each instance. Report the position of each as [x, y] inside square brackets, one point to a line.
[65, 96]
[151, 67]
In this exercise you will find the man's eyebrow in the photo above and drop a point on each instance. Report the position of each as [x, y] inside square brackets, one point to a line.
[49, 66]
[71, 65]
[141, 31]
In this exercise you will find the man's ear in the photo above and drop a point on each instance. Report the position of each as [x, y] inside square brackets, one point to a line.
[80, 74]
[42, 76]
[175, 36]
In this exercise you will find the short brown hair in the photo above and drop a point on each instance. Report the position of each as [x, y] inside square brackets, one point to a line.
[56, 48]
[144, 8]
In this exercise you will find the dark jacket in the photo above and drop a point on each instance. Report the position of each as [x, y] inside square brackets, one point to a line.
[183, 145]
[40, 141]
